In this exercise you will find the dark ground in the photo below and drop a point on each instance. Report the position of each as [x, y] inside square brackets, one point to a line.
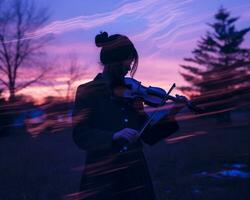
[211, 162]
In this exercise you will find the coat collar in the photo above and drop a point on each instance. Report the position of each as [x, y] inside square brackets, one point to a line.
[101, 79]
[98, 77]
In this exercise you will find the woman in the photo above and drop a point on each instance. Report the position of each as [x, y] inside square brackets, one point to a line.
[103, 120]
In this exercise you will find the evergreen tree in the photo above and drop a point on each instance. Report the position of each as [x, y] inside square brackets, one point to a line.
[219, 74]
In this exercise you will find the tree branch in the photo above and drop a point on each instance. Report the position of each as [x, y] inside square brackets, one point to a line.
[4, 82]
[3, 70]
[18, 88]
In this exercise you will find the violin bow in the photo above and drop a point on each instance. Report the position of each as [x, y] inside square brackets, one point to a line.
[125, 148]
[151, 116]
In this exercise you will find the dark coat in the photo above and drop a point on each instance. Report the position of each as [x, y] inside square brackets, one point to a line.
[109, 173]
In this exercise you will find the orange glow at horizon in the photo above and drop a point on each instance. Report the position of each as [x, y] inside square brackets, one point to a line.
[41, 92]
[154, 70]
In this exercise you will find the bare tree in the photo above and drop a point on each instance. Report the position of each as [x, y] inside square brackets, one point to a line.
[18, 20]
[74, 74]
[70, 70]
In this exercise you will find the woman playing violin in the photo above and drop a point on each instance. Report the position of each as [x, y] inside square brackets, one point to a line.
[103, 119]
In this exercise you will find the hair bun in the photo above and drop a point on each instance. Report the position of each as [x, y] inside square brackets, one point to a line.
[101, 39]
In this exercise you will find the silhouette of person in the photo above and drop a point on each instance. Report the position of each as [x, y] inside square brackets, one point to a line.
[101, 120]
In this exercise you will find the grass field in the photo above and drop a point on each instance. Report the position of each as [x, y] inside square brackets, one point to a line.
[202, 161]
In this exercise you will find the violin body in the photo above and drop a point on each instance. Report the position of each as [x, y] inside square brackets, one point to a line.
[152, 96]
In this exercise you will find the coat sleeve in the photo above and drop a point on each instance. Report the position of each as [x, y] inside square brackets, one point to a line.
[155, 133]
[85, 133]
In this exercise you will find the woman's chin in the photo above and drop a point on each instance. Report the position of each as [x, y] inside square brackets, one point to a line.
[125, 73]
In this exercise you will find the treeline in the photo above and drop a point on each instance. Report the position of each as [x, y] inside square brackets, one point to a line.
[218, 72]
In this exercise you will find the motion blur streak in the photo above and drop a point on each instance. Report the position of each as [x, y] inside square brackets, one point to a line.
[159, 15]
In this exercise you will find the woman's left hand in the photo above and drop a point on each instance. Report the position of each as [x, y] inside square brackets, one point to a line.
[179, 104]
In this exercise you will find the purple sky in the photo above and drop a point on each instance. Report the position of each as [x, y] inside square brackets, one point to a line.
[163, 31]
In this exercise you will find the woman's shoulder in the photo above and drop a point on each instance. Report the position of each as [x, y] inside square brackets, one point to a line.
[93, 87]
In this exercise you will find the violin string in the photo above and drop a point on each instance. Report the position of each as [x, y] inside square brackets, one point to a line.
[147, 123]
[151, 116]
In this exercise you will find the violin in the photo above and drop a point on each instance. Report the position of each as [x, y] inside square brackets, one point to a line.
[152, 96]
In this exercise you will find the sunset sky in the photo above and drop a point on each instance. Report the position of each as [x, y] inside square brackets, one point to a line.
[163, 31]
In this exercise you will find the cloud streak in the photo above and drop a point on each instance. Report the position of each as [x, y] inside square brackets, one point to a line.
[163, 21]
[91, 21]
[157, 14]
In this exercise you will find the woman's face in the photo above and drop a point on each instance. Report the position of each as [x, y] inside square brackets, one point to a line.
[119, 70]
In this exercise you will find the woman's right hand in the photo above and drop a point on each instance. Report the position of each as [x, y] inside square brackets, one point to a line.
[129, 134]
